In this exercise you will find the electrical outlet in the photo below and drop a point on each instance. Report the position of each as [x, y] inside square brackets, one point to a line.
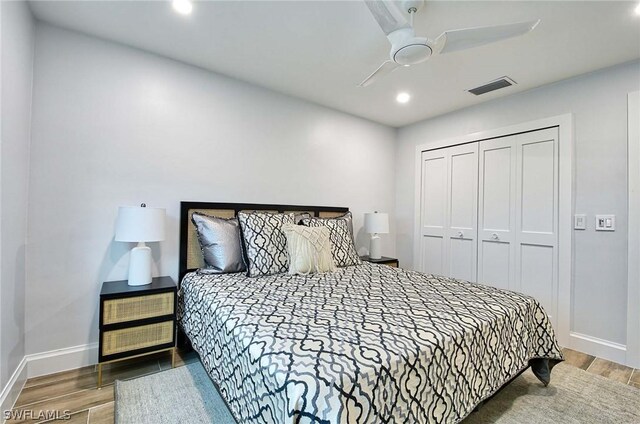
[580, 222]
[605, 222]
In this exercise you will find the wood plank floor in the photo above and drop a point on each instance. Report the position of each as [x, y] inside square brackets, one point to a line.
[74, 393]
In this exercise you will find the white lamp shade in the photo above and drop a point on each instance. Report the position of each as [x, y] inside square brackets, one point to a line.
[376, 223]
[138, 224]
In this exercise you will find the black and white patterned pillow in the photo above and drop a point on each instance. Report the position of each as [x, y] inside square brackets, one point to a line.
[342, 247]
[265, 245]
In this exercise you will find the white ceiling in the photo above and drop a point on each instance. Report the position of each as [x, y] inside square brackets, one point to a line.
[320, 50]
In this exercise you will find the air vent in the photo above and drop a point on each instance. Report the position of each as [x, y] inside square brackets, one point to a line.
[492, 86]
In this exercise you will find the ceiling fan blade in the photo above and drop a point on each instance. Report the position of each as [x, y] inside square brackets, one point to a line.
[462, 39]
[385, 69]
[388, 16]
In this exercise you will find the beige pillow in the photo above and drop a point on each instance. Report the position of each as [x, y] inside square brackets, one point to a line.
[309, 249]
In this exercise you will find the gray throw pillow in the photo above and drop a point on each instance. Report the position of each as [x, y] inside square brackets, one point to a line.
[220, 243]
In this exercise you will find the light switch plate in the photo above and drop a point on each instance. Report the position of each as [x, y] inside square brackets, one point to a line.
[580, 222]
[605, 222]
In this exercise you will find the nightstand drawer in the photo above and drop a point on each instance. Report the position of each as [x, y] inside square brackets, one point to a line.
[134, 338]
[137, 307]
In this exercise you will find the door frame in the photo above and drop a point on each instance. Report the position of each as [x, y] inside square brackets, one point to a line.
[633, 263]
[565, 124]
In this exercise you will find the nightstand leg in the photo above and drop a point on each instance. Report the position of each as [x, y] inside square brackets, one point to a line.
[173, 357]
[99, 375]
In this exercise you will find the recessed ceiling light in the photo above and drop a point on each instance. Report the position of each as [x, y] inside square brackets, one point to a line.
[403, 97]
[184, 7]
[637, 10]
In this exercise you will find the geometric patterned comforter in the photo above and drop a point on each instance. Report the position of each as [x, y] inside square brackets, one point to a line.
[364, 344]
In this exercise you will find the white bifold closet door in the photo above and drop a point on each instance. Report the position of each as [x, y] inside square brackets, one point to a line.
[518, 215]
[449, 211]
[489, 213]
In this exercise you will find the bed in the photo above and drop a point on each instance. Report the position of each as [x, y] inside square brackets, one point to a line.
[365, 344]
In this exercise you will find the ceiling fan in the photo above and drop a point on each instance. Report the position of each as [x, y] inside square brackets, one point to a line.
[407, 49]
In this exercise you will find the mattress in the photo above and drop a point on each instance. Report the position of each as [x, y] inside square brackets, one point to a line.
[364, 344]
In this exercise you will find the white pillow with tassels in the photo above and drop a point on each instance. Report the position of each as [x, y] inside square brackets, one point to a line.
[309, 249]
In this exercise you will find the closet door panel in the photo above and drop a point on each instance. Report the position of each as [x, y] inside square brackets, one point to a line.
[432, 255]
[464, 188]
[434, 211]
[497, 184]
[494, 266]
[536, 274]
[449, 190]
[496, 212]
[537, 176]
[434, 192]
[463, 208]
[462, 259]
[536, 221]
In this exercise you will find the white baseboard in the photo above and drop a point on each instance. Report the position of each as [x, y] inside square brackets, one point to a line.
[61, 360]
[601, 348]
[44, 363]
[10, 392]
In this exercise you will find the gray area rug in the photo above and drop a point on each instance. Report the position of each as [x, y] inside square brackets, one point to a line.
[187, 395]
[573, 396]
[180, 395]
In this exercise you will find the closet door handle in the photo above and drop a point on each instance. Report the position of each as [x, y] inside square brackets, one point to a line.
[494, 236]
[460, 234]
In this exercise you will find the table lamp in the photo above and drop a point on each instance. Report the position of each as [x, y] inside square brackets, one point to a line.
[140, 225]
[375, 224]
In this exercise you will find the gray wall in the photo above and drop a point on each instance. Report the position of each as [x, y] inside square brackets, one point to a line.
[117, 126]
[17, 71]
[599, 104]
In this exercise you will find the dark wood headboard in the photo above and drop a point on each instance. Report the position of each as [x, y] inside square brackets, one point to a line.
[190, 253]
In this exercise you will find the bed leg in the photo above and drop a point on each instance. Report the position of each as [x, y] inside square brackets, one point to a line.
[183, 341]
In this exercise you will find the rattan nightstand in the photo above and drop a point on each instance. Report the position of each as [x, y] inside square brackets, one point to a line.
[382, 261]
[136, 320]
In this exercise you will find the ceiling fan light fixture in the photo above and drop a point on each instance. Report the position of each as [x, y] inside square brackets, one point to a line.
[408, 50]
[183, 7]
[412, 54]
[403, 97]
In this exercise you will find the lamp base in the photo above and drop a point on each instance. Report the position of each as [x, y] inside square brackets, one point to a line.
[140, 266]
[374, 247]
